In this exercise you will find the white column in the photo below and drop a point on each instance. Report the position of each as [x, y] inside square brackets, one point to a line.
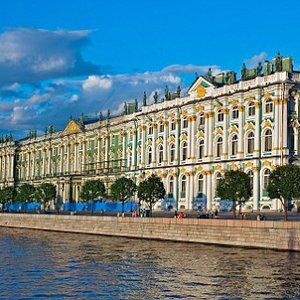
[241, 133]
[143, 144]
[277, 127]
[28, 165]
[257, 130]
[225, 134]
[192, 191]
[84, 155]
[68, 157]
[76, 157]
[154, 152]
[165, 143]
[8, 166]
[209, 189]
[210, 134]
[192, 137]
[49, 161]
[12, 165]
[134, 145]
[61, 167]
[255, 188]
[43, 162]
[33, 165]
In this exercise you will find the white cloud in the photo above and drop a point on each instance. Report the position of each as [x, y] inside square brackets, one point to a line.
[189, 69]
[254, 60]
[97, 82]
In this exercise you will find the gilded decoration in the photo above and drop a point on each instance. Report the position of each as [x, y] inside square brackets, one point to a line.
[225, 111]
[199, 108]
[241, 108]
[249, 126]
[159, 141]
[218, 167]
[183, 137]
[71, 128]
[200, 134]
[267, 163]
[267, 96]
[250, 100]
[171, 115]
[171, 139]
[219, 130]
[267, 123]
[233, 129]
[249, 165]
[233, 166]
[199, 169]
[256, 105]
[201, 92]
[183, 171]
[233, 102]
[149, 142]
[184, 113]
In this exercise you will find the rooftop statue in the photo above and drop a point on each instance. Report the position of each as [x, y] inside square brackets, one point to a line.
[243, 71]
[100, 116]
[155, 97]
[145, 99]
[209, 73]
[125, 108]
[167, 93]
[108, 114]
[278, 63]
[259, 69]
[178, 91]
[136, 105]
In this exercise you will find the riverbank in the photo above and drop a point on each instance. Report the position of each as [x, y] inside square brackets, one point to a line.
[276, 235]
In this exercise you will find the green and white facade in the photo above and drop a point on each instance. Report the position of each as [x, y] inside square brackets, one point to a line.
[189, 141]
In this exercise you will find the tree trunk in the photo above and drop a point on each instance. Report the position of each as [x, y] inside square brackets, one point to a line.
[150, 206]
[285, 207]
[234, 208]
[122, 206]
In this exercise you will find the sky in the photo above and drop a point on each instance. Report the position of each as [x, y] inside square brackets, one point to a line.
[64, 58]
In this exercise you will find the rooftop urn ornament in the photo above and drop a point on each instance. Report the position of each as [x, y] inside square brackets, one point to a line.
[125, 108]
[155, 97]
[243, 71]
[136, 105]
[167, 93]
[100, 116]
[108, 114]
[145, 99]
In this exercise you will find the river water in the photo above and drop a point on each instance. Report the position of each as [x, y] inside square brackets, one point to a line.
[41, 265]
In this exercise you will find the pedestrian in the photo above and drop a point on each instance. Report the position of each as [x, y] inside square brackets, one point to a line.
[176, 214]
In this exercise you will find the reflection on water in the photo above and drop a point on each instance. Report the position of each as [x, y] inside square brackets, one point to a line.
[36, 264]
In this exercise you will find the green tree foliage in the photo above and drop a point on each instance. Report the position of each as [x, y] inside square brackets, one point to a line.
[25, 193]
[151, 190]
[122, 189]
[7, 195]
[284, 184]
[235, 185]
[45, 192]
[92, 190]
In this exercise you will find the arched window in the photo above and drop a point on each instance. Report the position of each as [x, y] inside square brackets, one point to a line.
[218, 178]
[250, 174]
[234, 144]
[268, 106]
[150, 129]
[250, 142]
[201, 149]
[185, 123]
[266, 180]
[200, 185]
[149, 155]
[172, 152]
[171, 185]
[160, 154]
[219, 146]
[161, 127]
[201, 120]
[183, 186]
[173, 125]
[184, 151]
[251, 109]
[235, 113]
[268, 140]
[220, 116]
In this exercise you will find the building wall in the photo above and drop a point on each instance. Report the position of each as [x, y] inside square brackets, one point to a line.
[189, 142]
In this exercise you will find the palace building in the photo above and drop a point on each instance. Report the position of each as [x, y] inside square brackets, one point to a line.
[222, 123]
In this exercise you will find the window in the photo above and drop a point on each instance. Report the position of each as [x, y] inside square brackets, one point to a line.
[183, 186]
[172, 152]
[150, 129]
[266, 179]
[161, 127]
[235, 113]
[268, 106]
[160, 154]
[200, 184]
[220, 115]
[219, 146]
[251, 109]
[171, 185]
[250, 142]
[201, 120]
[184, 151]
[234, 144]
[268, 140]
[250, 174]
[173, 125]
[149, 155]
[201, 149]
[185, 123]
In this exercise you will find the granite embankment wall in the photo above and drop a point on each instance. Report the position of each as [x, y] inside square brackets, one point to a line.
[261, 234]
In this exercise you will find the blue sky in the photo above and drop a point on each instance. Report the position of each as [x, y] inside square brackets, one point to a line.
[62, 58]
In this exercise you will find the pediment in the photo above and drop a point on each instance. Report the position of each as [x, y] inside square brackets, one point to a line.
[200, 88]
[71, 128]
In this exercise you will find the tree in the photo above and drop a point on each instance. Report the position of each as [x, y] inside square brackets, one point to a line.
[25, 193]
[7, 194]
[92, 189]
[46, 192]
[151, 190]
[284, 185]
[235, 185]
[122, 189]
